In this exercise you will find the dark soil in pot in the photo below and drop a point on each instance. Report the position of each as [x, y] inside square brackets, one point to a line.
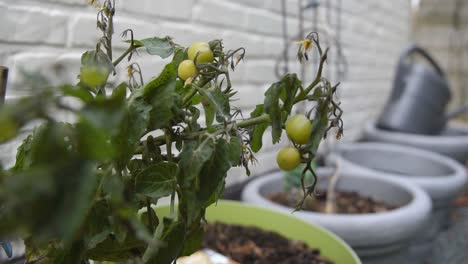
[253, 245]
[346, 202]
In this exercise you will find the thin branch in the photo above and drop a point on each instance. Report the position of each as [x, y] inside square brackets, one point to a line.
[330, 204]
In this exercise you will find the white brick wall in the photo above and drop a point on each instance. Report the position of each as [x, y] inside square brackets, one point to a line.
[37, 35]
[446, 39]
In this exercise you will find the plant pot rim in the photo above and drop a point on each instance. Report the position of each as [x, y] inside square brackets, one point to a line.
[442, 140]
[267, 219]
[438, 187]
[373, 228]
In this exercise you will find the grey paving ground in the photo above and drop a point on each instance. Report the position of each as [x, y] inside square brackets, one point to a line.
[451, 246]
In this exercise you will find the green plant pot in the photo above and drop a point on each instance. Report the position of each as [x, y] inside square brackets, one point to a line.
[231, 212]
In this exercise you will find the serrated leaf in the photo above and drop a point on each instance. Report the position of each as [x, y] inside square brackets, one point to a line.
[225, 155]
[218, 101]
[193, 242]
[272, 107]
[192, 158]
[256, 134]
[97, 224]
[180, 54]
[157, 180]
[194, 126]
[319, 126]
[210, 113]
[290, 84]
[163, 47]
[133, 127]
[173, 240]
[56, 185]
[160, 93]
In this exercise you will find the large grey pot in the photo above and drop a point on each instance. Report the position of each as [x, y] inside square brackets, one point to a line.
[441, 177]
[452, 142]
[380, 238]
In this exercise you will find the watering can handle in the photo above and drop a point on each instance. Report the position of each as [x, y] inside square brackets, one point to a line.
[416, 49]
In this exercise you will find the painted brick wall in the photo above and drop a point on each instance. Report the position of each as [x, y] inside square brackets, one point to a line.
[442, 28]
[38, 35]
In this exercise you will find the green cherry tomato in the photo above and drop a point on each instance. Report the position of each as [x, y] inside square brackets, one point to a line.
[299, 128]
[205, 55]
[93, 76]
[187, 69]
[288, 158]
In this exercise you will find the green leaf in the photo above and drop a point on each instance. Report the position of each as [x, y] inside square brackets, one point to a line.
[24, 158]
[180, 54]
[225, 156]
[157, 180]
[192, 158]
[113, 186]
[14, 115]
[318, 93]
[172, 239]
[105, 113]
[94, 142]
[77, 92]
[97, 224]
[210, 112]
[160, 93]
[134, 125]
[219, 101]
[193, 242]
[163, 47]
[319, 125]
[54, 182]
[290, 84]
[272, 107]
[193, 124]
[256, 134]
[112, 250]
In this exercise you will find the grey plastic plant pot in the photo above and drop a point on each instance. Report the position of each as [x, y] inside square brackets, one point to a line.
[440, 176]
[380, 238]
[452, 142]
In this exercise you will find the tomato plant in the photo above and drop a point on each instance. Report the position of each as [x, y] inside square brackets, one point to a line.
[76, 188]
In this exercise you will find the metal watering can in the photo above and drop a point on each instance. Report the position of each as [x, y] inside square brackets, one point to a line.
[419, 96]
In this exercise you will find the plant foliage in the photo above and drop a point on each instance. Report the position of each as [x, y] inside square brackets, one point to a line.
[76, 188]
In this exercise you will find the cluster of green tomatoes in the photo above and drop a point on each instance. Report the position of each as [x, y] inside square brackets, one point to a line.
[298, 129]
[199, 52]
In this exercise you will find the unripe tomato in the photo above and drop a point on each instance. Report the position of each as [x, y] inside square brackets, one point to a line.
[288, 158]
[299, 128]
[187, 69]
[93, 76]
[203, 50]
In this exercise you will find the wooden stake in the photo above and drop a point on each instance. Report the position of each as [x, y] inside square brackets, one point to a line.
[3, 83]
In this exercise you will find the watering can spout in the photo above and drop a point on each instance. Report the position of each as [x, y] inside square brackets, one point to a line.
[419, 96]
